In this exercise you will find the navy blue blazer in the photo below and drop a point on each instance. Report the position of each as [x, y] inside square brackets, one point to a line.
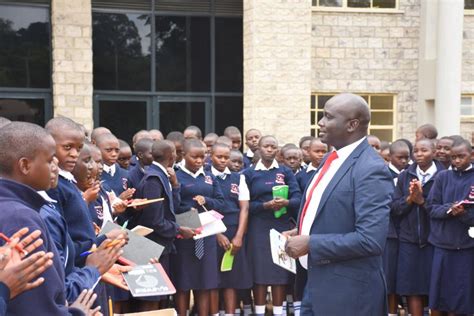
[347, 238]
[158, 216]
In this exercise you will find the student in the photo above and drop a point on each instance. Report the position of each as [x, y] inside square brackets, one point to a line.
[192, 132]
[178, 140]
[374, 141]
[113, 176]
[26, 155]
[304, 146]
[252, 136]
[235, 135]
[125, 155]
[415, 251]
[155, 134]
[195, 263]
[69, 140]
[136, 137]
[426, 131]
[385, 151]
[144, 159]
[316, 151]
[443, 151]
[292, 157]
[236, 161]
[210, 139]
[260, 180]
[399, 158]
[224, 140]
[452, 287]
[97, 132]
[235, 219]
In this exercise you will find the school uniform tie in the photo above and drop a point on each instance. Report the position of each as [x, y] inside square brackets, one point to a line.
[332, 156]
[423, 178]
[221, 176]
[199, 248]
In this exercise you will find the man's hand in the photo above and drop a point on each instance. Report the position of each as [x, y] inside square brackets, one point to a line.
[186, 232]
[223, 241]
[104, 257]
[297, 246]
[290, 233]
[85, 301]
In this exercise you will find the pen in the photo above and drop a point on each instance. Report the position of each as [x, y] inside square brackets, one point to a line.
[17, 247]
[109, 245]
[124, 226]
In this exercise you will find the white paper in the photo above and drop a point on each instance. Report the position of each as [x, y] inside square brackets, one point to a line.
[211, 225]
[279, 256]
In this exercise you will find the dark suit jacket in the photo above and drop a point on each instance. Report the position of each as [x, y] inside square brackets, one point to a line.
[347, 238]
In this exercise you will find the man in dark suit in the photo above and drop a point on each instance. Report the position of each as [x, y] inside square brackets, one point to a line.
[343, 219]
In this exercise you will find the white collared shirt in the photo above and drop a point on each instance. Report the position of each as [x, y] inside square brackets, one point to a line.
[67, 175]
[468, 168]
[249, 153]
[261, 167]
[159, 165]
[110, 169]
[343, 154]
[310, 168]
[429, 173]
[244, 193]
[46, 197]
[394, 169]
[194, 175]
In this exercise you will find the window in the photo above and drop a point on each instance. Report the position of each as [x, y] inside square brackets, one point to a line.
[469, 4]
[382, 109]
[357, 4]
[467, 106]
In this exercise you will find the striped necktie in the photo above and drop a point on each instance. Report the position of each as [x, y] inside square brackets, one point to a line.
[199, 248]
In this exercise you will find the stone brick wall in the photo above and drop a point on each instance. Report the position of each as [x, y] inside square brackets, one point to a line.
[467, 126]
[370, 53]
[72, 59]
[277, 67]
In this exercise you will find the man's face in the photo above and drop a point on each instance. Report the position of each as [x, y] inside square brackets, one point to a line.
[333, 125]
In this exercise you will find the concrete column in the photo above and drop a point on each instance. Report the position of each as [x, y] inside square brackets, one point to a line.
[448, 66]
[277, 67]
[72, 59]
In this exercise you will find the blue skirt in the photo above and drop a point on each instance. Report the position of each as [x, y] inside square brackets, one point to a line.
[240, 277]
[414, 269]
[190, 273]
[265, 272]
[390, 260]
[452, 281]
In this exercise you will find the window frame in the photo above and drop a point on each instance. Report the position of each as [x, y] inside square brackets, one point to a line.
[467, 118]
[314, 127]
[345, 8]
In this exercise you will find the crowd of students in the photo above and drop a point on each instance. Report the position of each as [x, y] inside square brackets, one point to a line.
[60, 185]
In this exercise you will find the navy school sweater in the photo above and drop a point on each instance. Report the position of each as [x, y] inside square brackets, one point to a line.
[135, 175]
[96, 208]
[4, 297]
[230, 189]
[303, 178]
[158, 216]
[260, 184]
[77, 279]
[447, 231]
[205, 185]
[413, 219]
[20, 205]
[118, 182]
[77, 216]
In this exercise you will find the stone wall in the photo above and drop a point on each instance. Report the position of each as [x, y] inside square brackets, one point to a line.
[277, 67]
[72, 59]
[467, 87]
[370, 53]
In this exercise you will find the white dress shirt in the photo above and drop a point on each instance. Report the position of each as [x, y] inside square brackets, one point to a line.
[110, 169]
[342, 155]
[261, 167]
[394, 169]
[310, 168]
[244, 193]
[67, 175]
[193, 174]
[428, 174]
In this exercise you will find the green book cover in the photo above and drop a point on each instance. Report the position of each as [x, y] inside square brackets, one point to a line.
[227, 261]
[280, 191]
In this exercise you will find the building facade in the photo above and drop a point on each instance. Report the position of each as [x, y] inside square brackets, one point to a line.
[267, 64]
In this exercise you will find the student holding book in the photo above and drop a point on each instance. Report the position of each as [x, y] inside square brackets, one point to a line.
[260, 179]
[235, 213]
[415, 251]
[195, 263]
[452, 274]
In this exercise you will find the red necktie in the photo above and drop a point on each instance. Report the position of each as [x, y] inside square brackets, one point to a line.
[332, 156]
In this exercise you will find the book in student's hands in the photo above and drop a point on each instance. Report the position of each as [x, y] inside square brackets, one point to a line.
[279, 255]
[149, 280]
[280, 191]
[142, 230]
[212, 224]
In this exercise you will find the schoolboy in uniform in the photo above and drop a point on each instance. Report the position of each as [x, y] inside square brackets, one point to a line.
[251, 140]
[235, 136]
[304, 146]
[192, 132]
[178, 140]
[235, 219]
[443, 151]
[97, 132]
[144, 160]
[292, 157]
[125, 155]
[428, 131]
[236, 161]
[195, 264]
[316, 151]
[415, 252]
[452, 275]
[136, 137]
[399, 158]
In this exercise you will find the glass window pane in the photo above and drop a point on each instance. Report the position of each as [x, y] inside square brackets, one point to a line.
[176, 116]
[24, 47]
[381, 118]
[313, 118]
[313, 102]
[229, 111]
[469, 4]
[358, 3]
[383, 134]
[26, 110]
[381, 102]
[322, 99]
[229, 55]
[121, 46]
[182, 53]
[320, 116]
[116, 116]
[330, 3]
[384, 4]
[467, 106]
